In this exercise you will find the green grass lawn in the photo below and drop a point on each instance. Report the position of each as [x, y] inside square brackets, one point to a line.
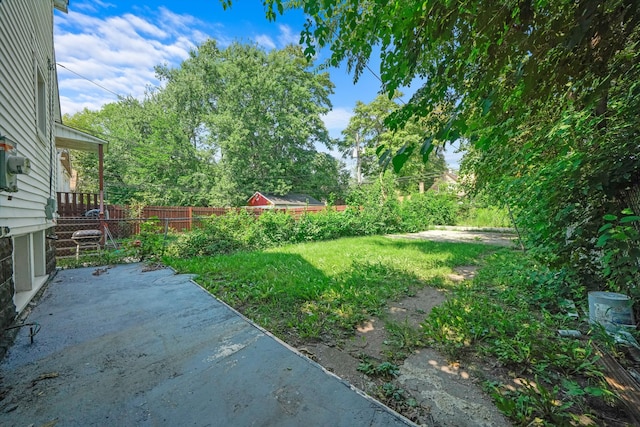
[324, 289]
[509, 314]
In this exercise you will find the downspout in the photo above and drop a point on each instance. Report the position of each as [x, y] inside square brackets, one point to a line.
[50, 207]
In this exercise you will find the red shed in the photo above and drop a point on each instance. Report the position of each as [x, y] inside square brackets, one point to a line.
[291, 200]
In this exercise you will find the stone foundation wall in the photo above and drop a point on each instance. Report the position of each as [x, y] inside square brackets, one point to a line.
[7, 308]
[51, 251]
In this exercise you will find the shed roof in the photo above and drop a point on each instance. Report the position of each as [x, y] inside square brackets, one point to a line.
[291, 199]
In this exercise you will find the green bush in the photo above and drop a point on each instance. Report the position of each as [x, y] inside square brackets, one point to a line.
[228, 233]
[275, 228]
[420, 211]
[151, 238]
[329, 224]
[375, 209]
[481, 211]
[371, 211]
[490, 216]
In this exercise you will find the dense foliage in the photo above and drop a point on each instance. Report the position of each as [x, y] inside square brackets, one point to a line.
[226, 123]
[148, 159]
[259, 114]
[367, 132]
[482, 62]
[369, 213]
[544, 94]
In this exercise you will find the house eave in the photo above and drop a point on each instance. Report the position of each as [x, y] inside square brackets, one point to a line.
[61, 5]
[73, 139]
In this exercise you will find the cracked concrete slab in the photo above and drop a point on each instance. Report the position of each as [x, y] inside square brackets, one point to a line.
[449, 391]
[128, 347]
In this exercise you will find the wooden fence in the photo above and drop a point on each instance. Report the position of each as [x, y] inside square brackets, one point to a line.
[179, 218]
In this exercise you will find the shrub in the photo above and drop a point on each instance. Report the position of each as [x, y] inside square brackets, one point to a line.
[489, 216]
[376, 209]
[275, 228]
[329, 224]
[220, 234]
[371, 211]
[151, 237]
[420, 211]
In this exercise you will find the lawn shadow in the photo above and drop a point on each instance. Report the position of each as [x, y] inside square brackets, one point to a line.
[292, 298]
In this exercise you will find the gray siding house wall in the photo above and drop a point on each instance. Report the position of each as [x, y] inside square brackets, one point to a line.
[29, 108]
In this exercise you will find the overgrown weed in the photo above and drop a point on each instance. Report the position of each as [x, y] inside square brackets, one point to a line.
[327, 288]
[511, 312]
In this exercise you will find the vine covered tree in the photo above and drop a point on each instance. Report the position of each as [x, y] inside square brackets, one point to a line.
[545, 94]
[486, 60]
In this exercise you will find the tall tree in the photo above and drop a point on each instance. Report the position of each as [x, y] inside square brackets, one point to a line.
[149, 160]
[257, 111]
[367, 134]
[85, 163]
[324, 178]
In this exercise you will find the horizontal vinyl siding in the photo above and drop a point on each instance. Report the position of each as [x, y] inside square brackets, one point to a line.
[26, 40]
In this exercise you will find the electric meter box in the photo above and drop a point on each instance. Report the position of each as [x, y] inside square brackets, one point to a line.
[11, 166]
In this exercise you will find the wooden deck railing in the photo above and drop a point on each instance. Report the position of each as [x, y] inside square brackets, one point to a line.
[76, 204]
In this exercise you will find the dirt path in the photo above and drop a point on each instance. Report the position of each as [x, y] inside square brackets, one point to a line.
[495, 237]
[446, 393]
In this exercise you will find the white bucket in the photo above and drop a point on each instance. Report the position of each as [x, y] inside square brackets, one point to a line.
[611, 310]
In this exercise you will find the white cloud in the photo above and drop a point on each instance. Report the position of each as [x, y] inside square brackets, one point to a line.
[336, 120]
[144, 26]
[118, 53]
[75, 105]
[285, 37]
[175, 20]
[92, 6]
[288, 36]
[265, 41]
[198, 37]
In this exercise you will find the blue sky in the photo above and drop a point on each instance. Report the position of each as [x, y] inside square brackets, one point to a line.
[116, 44]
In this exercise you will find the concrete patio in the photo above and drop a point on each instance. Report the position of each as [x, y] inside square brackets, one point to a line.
[123, 347]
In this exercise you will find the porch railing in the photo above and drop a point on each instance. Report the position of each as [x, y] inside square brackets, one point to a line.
[76, 204]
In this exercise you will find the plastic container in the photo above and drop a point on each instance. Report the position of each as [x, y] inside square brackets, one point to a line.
[611, 310]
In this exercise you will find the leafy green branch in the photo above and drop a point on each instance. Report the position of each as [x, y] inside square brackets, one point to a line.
[620, 240]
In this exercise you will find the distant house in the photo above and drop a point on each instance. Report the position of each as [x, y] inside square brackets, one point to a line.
[445, 182]
[291, 200]
[31, 131]
[65, 172]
